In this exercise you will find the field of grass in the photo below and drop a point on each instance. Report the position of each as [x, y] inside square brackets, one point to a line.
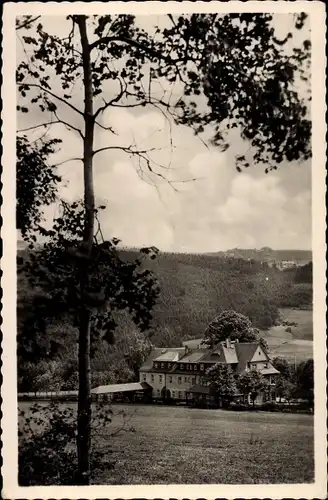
[181, 445]
[295, 344]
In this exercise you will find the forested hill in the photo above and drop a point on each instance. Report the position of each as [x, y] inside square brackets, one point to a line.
[268, 254]
[195, 288]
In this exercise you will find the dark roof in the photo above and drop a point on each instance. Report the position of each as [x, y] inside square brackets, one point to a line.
[136, 386]
[148, 364]
[245, 352]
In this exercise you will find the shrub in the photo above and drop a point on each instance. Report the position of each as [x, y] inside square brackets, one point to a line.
[270, 406]
[47, 448]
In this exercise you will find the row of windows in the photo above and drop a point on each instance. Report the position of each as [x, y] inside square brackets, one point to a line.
[182, 366]
[254, 366]
[187, 380]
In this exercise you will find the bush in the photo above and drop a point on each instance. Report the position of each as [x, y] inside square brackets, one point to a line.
[270, 406]
[47, 448]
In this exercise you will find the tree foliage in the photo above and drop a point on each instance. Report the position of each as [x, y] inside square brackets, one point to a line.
[222, 380]
[246, 74]
[36, 182]
[251, 383]
[230, 324]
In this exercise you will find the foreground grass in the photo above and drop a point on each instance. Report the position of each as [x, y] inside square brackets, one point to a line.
[180, 445]
[172, 445]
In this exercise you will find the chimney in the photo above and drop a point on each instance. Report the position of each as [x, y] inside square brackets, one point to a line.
[228, 342]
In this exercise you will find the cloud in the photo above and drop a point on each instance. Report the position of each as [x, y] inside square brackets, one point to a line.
[219, 210]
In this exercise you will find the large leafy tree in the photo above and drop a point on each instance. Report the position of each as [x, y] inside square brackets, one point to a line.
[234, 61]
[231, 325]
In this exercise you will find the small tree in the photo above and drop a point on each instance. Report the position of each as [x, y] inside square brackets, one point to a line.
[222, 380]
[304, 379]
[251, 383]
[285, 368]
[285, 388]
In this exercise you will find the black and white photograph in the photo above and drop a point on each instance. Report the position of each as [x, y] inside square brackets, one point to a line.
[164, 250]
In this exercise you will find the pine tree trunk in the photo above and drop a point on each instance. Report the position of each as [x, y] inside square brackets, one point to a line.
[84, 398]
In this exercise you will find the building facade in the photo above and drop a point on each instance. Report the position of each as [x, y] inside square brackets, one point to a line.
[179, 373]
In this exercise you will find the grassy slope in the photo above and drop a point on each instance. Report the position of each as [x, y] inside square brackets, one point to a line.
[181, 445]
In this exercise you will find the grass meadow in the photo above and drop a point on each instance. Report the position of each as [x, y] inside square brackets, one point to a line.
[172, 445]
[296, 345]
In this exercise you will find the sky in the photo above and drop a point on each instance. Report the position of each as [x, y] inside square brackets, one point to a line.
[206, 206]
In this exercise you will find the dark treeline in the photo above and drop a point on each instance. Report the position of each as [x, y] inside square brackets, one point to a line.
[194, 290]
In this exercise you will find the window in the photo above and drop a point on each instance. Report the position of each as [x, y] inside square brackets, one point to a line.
[144, 377]
[169, 366]
[180, 395]
[170, 379]
[193, 381]
[156, 365]
[187, 367]
[179, 380]
[202, 367]
[158, 392]
[152, 377]
[160, 379]
[173, 394]
[195, 367]
[186, 379]
[162, 365]
[181, 366]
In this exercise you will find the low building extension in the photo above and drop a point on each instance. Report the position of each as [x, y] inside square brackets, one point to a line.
[178, 374]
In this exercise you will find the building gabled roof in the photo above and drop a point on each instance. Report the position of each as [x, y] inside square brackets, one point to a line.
[168, 356]
[194, 344]
[162, 354]
[245, 352]
[230, 355]
[109, 389]
[270, 370]
[192, 357]
[148, 364]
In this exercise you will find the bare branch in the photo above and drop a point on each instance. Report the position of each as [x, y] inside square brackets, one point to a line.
[108, 128]
[69, 125]
[53, 95]
[110, 103]
[46, 124]
[34, 127]
[126, 149]
[66, 161]
[27, 22]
